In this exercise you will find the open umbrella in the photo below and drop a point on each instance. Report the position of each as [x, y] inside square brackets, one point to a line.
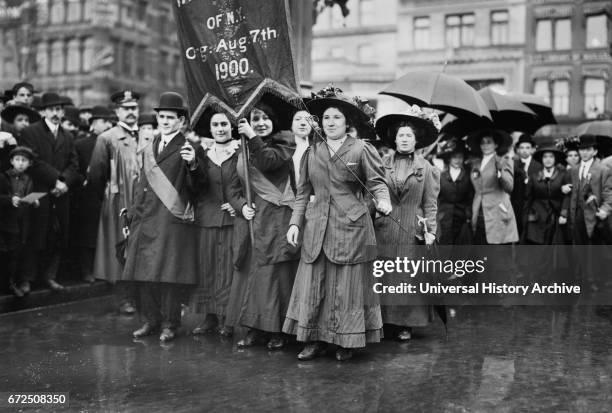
[538, 105]
[460, 127]
[508, 113]
[549, 134]
[602, 130]
[439, 91]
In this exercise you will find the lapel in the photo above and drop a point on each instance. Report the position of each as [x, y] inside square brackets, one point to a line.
[390, 173]
[173, 146]
[416, 164]
[346, 146]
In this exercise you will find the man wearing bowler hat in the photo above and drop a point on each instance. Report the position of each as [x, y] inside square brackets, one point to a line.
[161, 253]
[113, 170]
[524, 167]
[54, 171]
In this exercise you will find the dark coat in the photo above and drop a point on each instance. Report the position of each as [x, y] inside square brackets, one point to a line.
[454, 205]
[519, 190]
[416, 196]
[337, 222]
[56, 159]
[543, 205]
[14, 221]
[216, 185]
[162, 247]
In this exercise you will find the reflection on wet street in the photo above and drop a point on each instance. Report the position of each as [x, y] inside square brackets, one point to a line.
[492, 360]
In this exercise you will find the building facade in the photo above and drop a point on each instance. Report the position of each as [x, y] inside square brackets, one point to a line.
[569, 60]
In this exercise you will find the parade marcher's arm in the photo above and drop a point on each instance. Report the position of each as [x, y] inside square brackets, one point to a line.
[40, 171]
[371, 165]
[99, 165]
[429, 202]
[505, 169]
[304, 190]
[274, 155]
[198, 176]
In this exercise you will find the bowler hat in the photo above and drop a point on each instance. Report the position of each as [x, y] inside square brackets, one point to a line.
[72, 114]
[148, 119]
[99, 112]
[425, 126]
[525, 138]
[51, 99]
[172, 101]
[125, 97]
[501, 138]
[67, 100]
[587, 141]
[24, 151]
[37, 102]
[10, 113]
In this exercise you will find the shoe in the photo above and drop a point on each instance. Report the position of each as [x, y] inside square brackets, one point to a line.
[25, 287]
[312, 351]
[405, 335]
[343, 354]
[146, 330]
[89, 279]
[276, 343]
[166, 335]
[207, 326]
[17, 292]
[248, 341]
[55, 286]
[226, 331]
[127, 308]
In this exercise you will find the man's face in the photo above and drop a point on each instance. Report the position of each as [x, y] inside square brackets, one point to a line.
[24, 95]
[524, 150]
[169, 122]
[100, 125]
[69, 126]
[21, 122]
[54, 114]
[128, 114]
[586, 154]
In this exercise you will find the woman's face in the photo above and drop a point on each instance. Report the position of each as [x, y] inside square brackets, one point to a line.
[21, 122]
[300, 126]
[405, 139]
[220, 128]
[548, 159]
[487, 145]
[261, 123]
[334, 124]
[456, 160]
[572, 158]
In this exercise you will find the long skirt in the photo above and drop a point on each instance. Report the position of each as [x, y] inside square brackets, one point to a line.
[266, 295]
[216, 270]
[334, 303]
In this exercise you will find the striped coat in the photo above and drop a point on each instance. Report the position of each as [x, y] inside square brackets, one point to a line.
[417, 195]
[337, 221]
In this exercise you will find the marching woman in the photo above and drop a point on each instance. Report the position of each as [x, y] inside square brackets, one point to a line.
[302, 129]
[219, 196]
[456, 193]
[273, 262]
[414, 185]
[332, 300]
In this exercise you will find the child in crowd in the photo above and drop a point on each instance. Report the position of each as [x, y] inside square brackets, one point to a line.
[15, 185]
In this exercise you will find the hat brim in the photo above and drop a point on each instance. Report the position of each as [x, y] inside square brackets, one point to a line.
[318, 106]
[426, 132]
[10, 113]
[539, 154]
[501, 138]
[180, 110]
[45, 105]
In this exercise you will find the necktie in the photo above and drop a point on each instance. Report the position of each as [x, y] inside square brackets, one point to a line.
[162, 145]
[582, 171]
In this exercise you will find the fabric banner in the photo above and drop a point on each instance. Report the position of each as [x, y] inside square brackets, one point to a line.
[234, 51]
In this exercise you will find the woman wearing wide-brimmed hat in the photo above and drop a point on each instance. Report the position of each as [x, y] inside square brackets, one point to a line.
[456, 193]
[414, 185]
[332, 300]
[20, 116]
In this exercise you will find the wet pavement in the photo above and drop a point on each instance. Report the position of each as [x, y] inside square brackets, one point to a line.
[492, 360]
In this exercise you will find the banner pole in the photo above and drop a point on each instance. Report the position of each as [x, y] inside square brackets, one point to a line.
[247, 183]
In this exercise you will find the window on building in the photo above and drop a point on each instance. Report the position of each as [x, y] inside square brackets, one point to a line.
[127, 15]
[73, 56]
[541, 88]
[88, 54]
[594, 97]
[74, 11]
[141, 61]
[42, 12]
[421, 33]
[365, 53]
[460, 30]
[88, 9]
[58, 12]
[499, 27]
[563, 34]
[42, 58]
[57, 57]
[544, 35]
[366, 12]
[126, 59]
[597, 31]
[560, 97]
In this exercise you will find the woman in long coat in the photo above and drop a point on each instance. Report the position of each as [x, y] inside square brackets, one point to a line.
[414, 185]
[456, 193]
[273, 262]
[332, 300]
[219, 196]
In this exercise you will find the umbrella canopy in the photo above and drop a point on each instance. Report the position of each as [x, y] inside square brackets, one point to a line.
[508, 113]
[538, 105]
[439, 91]
[548, 134]
[460, 127]
[601, 130]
